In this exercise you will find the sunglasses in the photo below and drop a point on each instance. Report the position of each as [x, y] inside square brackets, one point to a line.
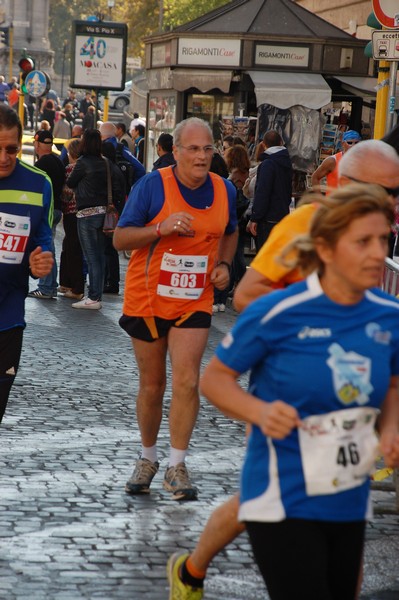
[391, 191]
[352, 142]
[11, 150]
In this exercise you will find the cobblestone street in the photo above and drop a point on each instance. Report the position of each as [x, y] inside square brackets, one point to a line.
[68, 531]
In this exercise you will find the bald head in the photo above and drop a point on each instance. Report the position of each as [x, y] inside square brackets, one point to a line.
[107, 130]
[77, 131]
[371, 161]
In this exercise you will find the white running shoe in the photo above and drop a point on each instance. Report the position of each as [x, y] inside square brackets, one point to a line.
[215, 308]
[222, 308]
[87, 303]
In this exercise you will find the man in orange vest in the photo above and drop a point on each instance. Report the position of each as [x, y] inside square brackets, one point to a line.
[181, 223]
[329, 166]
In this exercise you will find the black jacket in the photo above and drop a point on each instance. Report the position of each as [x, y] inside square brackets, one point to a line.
[54, 168]
[164, 161]
[89, 180]
[273, 188]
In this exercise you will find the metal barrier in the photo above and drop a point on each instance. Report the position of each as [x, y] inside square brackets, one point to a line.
[390, 284]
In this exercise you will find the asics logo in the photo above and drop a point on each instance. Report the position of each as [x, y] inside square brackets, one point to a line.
[313, 332]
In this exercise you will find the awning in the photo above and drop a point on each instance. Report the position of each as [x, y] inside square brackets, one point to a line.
[288, 89]
[359, 86]
[203, 80]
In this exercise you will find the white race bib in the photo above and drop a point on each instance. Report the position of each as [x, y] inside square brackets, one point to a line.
[14, 235]
[182, 277]
[338, 450]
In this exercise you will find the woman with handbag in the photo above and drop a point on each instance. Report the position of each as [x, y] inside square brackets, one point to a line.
[90, 179]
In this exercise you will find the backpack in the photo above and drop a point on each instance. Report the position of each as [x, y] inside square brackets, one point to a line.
[125, 166]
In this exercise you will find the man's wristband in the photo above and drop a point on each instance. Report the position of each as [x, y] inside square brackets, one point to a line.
[223, 262]
[158, 229]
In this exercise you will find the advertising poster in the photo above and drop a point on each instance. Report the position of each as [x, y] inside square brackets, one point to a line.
[98, 55]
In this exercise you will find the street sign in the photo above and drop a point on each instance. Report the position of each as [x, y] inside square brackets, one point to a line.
[98, 55]
[36, 83]
[385, 45]
[133, 63]
[387, 12]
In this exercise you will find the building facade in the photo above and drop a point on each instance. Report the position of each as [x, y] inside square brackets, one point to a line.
[28, 23]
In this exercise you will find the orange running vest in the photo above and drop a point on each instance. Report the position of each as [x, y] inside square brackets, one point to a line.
[332, 178]
[172, 276]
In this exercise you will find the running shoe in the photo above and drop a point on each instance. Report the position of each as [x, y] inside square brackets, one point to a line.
[140, 481]
[222, 308]
[40, 295]
[178, 589]
[178, 482]
[215, 308]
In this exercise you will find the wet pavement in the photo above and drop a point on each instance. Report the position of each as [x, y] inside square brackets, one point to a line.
[68, 442]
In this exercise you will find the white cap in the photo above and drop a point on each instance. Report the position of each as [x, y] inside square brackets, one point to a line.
[134, 122]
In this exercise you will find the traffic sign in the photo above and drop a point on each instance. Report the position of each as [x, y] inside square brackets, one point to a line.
[385, 45]
[37, 83]
[21, 23]
[387, 12]
[133, 63]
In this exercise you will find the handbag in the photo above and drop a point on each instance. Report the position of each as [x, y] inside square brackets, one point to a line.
[111, 216]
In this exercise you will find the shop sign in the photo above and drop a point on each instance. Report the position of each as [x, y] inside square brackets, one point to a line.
[282, 56]
[160, 55]
[385, 45]
[209, 52]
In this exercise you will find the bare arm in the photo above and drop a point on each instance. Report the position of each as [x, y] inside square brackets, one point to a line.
[220, 275]
[130, 238]
[327, 166]
[219, 384]
[251, 286]
[388, 425]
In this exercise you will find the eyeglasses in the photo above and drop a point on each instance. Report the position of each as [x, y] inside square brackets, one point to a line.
[11, 150]
[391, 191]
[198, 149]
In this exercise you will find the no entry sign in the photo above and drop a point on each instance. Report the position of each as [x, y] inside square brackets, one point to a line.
[387, 12]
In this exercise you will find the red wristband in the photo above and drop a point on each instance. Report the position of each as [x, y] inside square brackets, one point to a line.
[158, 229]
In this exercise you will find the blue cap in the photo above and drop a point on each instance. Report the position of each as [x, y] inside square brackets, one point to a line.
[351, 136]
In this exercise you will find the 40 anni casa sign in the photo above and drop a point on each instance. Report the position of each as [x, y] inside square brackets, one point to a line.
[98, 55]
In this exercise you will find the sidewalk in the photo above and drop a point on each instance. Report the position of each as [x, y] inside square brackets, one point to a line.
[69, 440]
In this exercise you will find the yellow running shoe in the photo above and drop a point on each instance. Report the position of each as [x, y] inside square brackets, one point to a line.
[178, 589]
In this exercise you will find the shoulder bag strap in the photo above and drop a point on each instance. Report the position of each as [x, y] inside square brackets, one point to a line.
[109, 184]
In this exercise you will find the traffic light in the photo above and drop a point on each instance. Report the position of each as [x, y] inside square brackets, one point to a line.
[4, 36]
[26, 65]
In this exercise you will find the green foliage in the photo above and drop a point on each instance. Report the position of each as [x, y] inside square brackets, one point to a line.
[182, 11]
[141, 16]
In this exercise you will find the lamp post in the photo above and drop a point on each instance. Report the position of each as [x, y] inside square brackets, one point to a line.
[63, 67]
[160, 15]
[111, 4]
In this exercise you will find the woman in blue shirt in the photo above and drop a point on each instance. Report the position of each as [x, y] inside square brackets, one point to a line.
[324, 362]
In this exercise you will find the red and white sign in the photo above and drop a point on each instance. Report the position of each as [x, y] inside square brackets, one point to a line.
[387, 12]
